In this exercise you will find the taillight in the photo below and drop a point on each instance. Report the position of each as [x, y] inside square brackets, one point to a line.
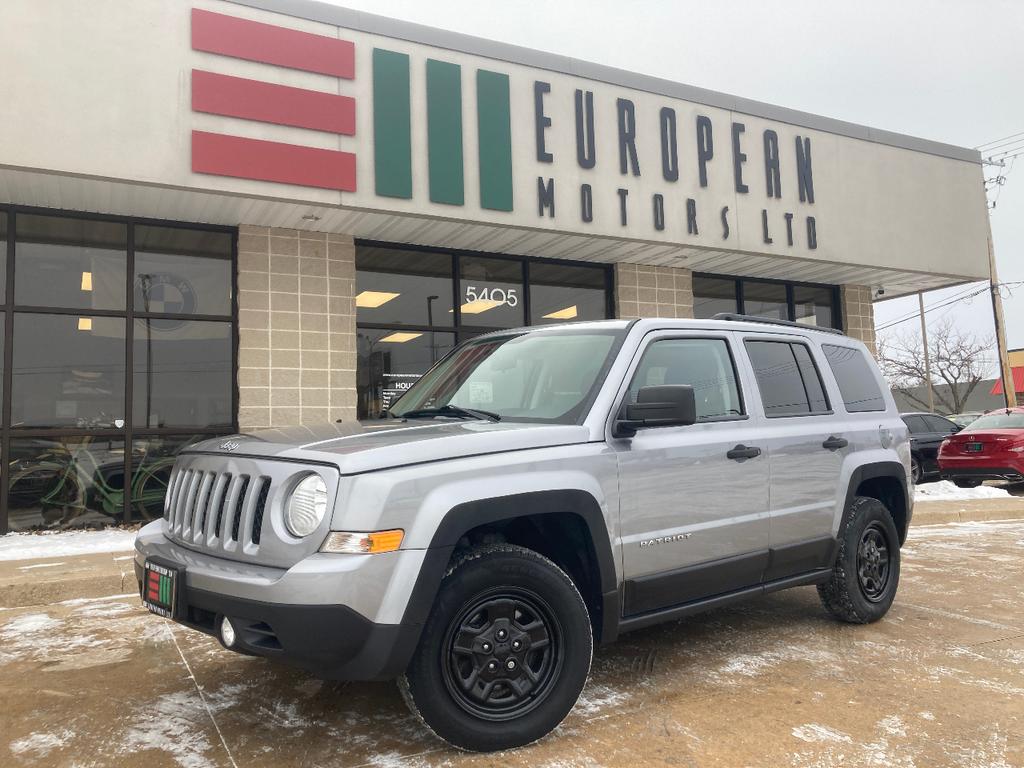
[1017, 447]
[944, 444]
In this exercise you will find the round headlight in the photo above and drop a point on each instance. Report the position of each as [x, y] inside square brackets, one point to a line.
[306, 506]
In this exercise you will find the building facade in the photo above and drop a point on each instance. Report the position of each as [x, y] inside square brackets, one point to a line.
[243, 214]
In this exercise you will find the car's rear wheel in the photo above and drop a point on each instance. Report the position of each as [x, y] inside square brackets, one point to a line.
[866, 573]
[970, 482]
[504, 654]
[916, 472]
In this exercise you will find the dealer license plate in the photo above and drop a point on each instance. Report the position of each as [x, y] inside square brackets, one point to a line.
[160, 588]
[972, 447]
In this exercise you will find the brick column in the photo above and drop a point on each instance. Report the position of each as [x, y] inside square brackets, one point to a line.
[642, 291]
[296, 318]
[859, 314]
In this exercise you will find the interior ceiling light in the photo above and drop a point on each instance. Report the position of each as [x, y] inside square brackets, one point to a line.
[87, 281]
[400, 337]
[478, 306]
[374, 299]
[563, 314]
[85, 323]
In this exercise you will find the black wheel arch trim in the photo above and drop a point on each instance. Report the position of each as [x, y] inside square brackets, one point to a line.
[469, 515]
[893, 469]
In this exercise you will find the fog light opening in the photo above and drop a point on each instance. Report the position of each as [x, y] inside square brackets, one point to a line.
[227, 632]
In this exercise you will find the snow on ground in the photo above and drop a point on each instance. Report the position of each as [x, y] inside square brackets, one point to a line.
[26, 546]
[944, 490]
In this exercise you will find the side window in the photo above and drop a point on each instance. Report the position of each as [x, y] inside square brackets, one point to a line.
[939, 424]
[787, 378]
[856, 381]
[704, 364]
[916, 425]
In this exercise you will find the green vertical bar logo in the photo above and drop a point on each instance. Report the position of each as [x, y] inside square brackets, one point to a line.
[392, 142]
[444, 132]
[494, 126]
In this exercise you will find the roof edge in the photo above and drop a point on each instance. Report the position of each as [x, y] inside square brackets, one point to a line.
[313, 10]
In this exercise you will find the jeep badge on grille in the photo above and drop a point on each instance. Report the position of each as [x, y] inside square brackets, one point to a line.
[230, 445]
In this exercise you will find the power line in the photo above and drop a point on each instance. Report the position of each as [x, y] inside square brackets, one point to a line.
[910, 316]
[947, 302]
[996, 141]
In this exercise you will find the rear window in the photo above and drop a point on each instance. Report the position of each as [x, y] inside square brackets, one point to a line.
[857, 382]
[998, 421]
[787, 378]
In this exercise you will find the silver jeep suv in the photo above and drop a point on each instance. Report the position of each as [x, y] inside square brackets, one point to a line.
[537, 490]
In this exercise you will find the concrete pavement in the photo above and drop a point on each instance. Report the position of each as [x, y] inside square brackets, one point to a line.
[939, 682]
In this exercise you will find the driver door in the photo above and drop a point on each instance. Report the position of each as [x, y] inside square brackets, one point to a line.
[694, 509]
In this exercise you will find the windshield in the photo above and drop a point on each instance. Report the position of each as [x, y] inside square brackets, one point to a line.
[999, 421]
[546, 377]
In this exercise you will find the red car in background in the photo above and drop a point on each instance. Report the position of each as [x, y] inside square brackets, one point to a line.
[990, 448]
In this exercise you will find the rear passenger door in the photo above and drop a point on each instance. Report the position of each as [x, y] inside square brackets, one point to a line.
[805, 453]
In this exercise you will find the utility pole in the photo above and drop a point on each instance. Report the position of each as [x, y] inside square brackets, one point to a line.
[927, 362]
[1006, 373]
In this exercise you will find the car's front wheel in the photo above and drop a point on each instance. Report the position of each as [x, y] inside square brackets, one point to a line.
[505, 651]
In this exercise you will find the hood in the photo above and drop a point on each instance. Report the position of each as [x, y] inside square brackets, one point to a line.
[355, 447]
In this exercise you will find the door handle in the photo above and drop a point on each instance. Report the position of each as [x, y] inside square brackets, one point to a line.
[835, 443]
[741, 452]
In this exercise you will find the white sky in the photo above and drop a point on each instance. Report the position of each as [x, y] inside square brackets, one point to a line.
[948, 70]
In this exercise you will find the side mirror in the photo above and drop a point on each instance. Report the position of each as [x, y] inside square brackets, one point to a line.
[670, 405]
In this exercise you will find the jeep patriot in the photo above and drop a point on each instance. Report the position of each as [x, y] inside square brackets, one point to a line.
[536, 491]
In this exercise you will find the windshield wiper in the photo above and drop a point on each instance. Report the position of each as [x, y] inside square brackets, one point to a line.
[451, 410]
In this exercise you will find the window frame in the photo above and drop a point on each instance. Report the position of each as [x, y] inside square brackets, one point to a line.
[790, 341]
[128, 433]
[653, 337]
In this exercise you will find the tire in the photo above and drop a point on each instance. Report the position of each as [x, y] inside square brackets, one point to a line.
[457, 693]
[867, 570]
[970, 482]
[916, 471]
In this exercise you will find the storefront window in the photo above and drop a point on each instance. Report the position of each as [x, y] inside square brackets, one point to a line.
[813, 305]
[765, 300]
[391, 361]
[68, 371]
[66, 482]
[183, 374]
[84, 382]
[182, 271]
[561, 293]
[3, 256]
[491, 292]
[403, 287]
[712, 295]
[70, 263]
[406, 320]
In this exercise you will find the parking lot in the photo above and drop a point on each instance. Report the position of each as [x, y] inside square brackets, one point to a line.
[940, 681]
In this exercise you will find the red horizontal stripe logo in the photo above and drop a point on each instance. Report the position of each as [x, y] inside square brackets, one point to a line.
[242, 158]
[269, 103]
[269, 44]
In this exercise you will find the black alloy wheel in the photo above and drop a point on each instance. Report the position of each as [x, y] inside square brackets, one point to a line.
[873, 562]
[504, 650]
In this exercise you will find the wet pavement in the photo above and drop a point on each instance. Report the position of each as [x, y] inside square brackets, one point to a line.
[940, 681]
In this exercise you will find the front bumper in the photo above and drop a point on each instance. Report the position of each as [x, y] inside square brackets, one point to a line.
[342, 617]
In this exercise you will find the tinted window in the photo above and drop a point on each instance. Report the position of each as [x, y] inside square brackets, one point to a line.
[856, 380]
[916, 425]
[182, 374]
[406, 287]
[788, 386]
[182, 271]
[560, 293]
[704, 364]
[73, 263]
[68, 371]
[765, 300]
[712, 295]
[939, 424]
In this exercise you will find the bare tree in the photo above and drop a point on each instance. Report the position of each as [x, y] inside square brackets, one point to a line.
[958, 359]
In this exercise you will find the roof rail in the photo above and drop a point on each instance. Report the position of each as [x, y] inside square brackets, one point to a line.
[738, 318]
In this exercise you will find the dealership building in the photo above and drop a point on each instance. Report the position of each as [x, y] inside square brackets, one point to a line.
[231, 215]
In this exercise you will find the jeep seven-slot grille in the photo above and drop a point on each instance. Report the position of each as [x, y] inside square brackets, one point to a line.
[216, 510]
